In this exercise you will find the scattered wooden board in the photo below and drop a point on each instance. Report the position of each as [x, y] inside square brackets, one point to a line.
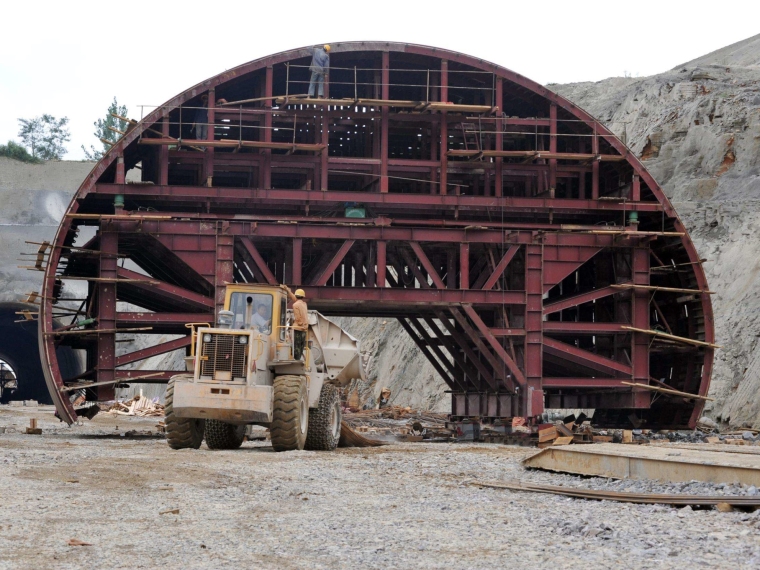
[548, 434]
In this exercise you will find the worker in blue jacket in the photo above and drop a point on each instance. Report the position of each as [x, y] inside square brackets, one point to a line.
[320, 67]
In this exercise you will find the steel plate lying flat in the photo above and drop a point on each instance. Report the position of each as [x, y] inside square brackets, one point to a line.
[646, 462]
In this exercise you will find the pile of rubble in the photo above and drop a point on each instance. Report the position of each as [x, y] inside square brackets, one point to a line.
[405, 424]
[139, 406]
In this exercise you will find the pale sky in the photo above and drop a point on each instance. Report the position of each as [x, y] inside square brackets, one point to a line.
[71, 58]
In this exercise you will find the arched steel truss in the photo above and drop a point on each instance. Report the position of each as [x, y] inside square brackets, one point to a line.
[527, 252]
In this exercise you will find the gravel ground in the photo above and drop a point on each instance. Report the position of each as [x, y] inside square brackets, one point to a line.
[400, 506]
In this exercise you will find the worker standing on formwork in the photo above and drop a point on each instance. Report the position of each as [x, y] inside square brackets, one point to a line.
[320, 67]
[300, 321]
[200, 125]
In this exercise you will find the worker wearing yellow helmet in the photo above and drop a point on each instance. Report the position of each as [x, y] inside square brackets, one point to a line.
[300, 321]
[320, 68]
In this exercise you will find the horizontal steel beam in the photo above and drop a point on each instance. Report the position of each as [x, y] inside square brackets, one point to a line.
[472, 234]
[573, 383]
[399, 298]
[572, 327]
[411, 201]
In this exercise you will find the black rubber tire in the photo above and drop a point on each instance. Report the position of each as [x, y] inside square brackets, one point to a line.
[221, 435]
[181, 433]
[290, 413]
[324, 422]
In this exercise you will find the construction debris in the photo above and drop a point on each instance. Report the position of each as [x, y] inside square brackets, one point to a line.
[398, 422]
[139, 406]
[33, 429]
[723, 503]
[349, 438]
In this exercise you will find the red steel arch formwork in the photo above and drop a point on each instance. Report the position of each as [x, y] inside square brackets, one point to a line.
[531, 257]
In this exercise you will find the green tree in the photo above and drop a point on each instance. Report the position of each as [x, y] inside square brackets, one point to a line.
[45, 136]
[103, 130]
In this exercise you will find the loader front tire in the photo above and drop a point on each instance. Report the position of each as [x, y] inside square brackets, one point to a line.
[290, 413]
[324, 422]
[181, 433]
[221, 435]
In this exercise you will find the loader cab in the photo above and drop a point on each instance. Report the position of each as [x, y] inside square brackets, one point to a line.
[261, 309]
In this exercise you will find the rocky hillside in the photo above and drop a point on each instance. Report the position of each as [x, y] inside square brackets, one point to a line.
[697, 129]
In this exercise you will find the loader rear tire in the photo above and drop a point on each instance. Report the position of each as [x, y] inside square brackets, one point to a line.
[181, 433]
[221, 435]
[290, 413]
[324, 422]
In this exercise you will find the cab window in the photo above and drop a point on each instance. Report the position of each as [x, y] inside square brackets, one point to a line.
[283, 318]
[252, 311]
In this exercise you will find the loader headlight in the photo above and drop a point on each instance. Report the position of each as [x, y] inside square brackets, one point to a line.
[206, 338]
[243, 340]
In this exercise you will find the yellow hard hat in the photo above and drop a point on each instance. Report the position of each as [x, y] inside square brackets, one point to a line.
[327, 47]
[300, 293]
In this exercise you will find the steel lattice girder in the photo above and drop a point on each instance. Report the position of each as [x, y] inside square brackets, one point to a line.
[511, 234]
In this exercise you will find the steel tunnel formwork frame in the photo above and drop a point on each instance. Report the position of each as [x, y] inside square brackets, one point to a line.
[529, 255]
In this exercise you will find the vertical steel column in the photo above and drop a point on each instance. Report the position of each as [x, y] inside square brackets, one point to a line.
[106, 364]
[381, 263]
[636, 188]
[444, 128]
[385, 112]
[499, 179]
[120, 174]
[297, 261]
[163, 154]
[464, 266]
[640, 319]
[532, 400]
[208, 156]
[595, 166]
[553, 146]
[225, 254]
[265, 170]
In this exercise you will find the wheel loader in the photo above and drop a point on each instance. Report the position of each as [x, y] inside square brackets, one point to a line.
[244, 373]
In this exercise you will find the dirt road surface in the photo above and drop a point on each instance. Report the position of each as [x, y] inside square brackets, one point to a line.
[401, 506]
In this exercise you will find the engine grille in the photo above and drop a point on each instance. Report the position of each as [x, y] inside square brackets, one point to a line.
[225, 354]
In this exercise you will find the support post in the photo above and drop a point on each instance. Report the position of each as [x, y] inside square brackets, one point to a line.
[499, 161]
[640, 314]
[464, 266]
[532, 399]
[297, 261]
[553, 146]
[384, 116]
[595, 166]
[381, 263]
[265, 168]
[106, 364]
[444, 129]
[208, 155]
[225, 254]
[163, 154]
